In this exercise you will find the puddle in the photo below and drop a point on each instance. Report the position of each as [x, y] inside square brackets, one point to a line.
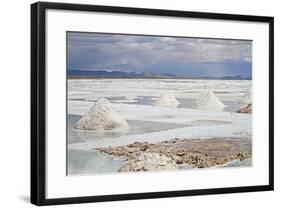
[136, 127]
[244, 163]
[208, 122]
[89, 162]
[81, 162]
[231, 106]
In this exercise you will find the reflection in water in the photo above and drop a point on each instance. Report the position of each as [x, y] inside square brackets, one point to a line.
[88, 162]
[243, 163]
[90, 135]
[136, 127]
[231, 106]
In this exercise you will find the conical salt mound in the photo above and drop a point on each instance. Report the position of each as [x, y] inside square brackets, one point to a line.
[167, 100]
[102, 117]
[209, 101]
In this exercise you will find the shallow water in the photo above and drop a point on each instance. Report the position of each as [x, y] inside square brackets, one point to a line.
[93, 162]
[89, 162]
[136, 127]
[239, 163]
[231, 106]
[82, 162]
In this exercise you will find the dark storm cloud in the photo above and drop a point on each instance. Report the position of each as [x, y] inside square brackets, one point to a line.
[159, 54]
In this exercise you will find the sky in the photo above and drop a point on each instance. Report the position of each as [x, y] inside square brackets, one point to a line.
[155, 54]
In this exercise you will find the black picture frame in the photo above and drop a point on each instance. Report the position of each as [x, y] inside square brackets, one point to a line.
[38, 102]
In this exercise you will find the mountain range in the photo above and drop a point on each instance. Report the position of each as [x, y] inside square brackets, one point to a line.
[74, 73]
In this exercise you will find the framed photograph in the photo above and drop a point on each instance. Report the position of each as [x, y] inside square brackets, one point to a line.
[134, 103]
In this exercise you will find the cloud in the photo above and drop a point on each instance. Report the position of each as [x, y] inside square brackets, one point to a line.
[151, 53]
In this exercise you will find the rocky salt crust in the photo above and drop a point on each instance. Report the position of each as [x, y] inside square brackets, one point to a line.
[167, 100]
[208, 101]
[172, 154]
[245, 109]
[245, 104]
[102, 117]
[149, 162]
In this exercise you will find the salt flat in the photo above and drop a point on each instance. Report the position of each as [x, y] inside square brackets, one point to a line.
[124, 95]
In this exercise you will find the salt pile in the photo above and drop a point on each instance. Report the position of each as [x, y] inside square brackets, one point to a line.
[209, 101]
[167, 100]
[102, 117]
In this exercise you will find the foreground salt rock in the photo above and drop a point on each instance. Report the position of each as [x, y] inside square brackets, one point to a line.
[245, 109]
[167, 100]
[208, 101]
[149, 162]
[102, 117]
[196, 153]
[245, 104]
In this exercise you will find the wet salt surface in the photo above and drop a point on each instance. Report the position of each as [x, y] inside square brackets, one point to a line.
[89, 162]
[238, 163]
[231, 106]
[136, 127]
[93, 162]
[134, 101]
[82, 162]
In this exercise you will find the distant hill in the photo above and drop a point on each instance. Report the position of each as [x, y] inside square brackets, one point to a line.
[114, 74]
[72, 73]
[101, 74]
[238, 77]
